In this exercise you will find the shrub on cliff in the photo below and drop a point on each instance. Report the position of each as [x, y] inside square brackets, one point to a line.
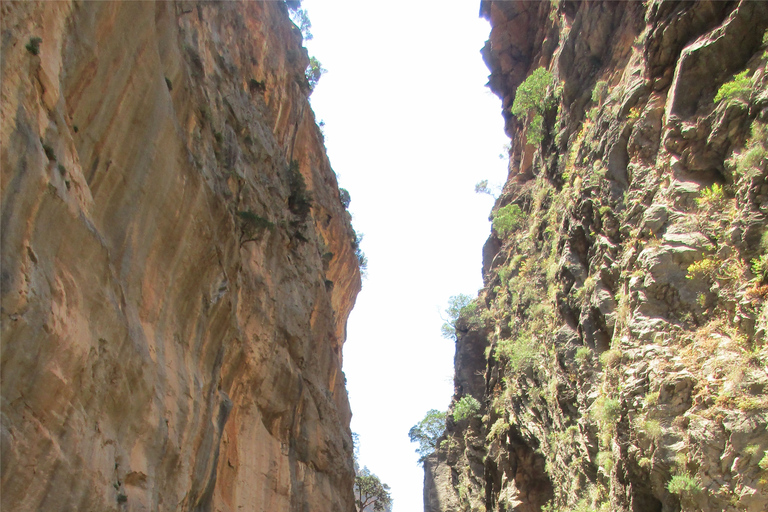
[299, 200]
[458, 305]
[529, 100]
[344, 197]
[507, 219]
[313, 73]
[683, 484]
[465, 408]
[427, 432]
[33, 46]
[740, 87]
[252, 226]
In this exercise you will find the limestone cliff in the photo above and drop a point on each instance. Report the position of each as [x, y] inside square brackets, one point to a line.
[174, 289]
[618, 348]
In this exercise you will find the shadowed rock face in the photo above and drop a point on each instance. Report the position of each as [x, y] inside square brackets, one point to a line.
[172, 322]
[620, 345]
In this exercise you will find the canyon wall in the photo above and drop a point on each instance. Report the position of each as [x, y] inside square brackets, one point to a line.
[618, 348]
[177, 266]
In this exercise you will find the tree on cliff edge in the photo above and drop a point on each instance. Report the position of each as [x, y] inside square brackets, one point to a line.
[370, 493]
[427, 432]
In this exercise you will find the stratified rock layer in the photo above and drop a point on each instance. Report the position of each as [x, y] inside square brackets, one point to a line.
[172, 314]
[621, 335]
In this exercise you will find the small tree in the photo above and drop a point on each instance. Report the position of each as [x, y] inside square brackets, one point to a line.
[301, 19]
[529, 98]
[457, 305]
[313, 73]
[370, 493]
[427, 432]
[507, 219]
[465, 408]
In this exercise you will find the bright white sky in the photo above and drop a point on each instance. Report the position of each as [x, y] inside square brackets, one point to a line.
[410, 129]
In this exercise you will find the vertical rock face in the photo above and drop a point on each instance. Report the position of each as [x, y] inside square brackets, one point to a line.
[173, 311]
[621, 334]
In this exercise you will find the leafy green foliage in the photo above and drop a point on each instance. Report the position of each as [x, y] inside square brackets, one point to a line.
[521, 353]
[371, 492]
[457, 305]
[760, 268]
[252, 226]
[740, 87]
[683, 484]
[529, 98]
[33, 46]
[583, 354]
[598, 93]
[498, 429]
[344, 197]
[427, 432]
[606, 410]
[712, 198]
[299, 200]
[300, 17]
[652, 429]
[611, 358]
[481, 187]
[507, 219]
[754, 158]
[313, 73]
[763, 464]
[702, 268]
[465, 408]
[362, 259]
[605, 461]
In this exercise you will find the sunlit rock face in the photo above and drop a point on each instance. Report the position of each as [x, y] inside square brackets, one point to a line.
[618, 349]
[172, 317]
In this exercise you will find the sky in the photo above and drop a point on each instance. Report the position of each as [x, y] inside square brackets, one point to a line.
[410, 129]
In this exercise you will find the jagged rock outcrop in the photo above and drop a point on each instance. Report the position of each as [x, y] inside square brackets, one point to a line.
[624, 317]
[174, 290]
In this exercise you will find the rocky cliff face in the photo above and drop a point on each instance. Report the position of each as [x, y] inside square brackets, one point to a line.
[618, 348]
[174, 290]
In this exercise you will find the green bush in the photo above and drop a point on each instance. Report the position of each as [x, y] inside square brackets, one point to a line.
[497, 430]
[763, 464]
[33, 46]
[344, 197]
[252, 226]
[611, 358]
[465, 408]
[598, 93]
[313, 73]
[299, 200]
[712, 198]
[683, 484]
[605, 461]
[740, 87]
[583, 354]
[458, 305]
[521, 353]
[606, 410]
[703, 268]
[507, 219]
[652, 429]
[427, 432]
[760, 268]
[530, 96]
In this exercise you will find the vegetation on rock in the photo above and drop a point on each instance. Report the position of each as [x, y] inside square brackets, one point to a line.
[427, 432]
[529, 103]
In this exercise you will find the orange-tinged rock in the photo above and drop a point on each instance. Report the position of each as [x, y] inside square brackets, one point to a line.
[152, 357]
